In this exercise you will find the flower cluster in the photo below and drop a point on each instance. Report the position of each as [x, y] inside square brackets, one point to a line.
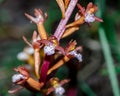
[43, 49]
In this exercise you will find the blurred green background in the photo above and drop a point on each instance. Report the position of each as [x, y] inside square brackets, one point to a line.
[97, 75]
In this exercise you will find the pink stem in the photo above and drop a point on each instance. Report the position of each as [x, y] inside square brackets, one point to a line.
[61, 27]
[44, 68]
[58, 33]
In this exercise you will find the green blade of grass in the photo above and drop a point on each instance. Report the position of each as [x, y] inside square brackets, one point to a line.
[104, 71]
[85, 88]
[111, 36]
[109, 62]
[107, 52]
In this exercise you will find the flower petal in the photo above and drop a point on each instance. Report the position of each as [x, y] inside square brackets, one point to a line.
[62, 7]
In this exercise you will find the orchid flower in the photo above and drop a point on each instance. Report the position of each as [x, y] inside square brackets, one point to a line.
[81, 17]
[56, 86]
[51, 45]
[85, 15]
[39, 20]
[70, 52]
[23, 79]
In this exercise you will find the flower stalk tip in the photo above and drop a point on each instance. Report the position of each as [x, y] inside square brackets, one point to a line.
[61, 27]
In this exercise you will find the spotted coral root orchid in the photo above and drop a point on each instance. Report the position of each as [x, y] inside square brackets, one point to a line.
[23, 79]
[82, 16]
[89, 13]
[70, 52]
[85, 15]
[46, 51]
[56, 86]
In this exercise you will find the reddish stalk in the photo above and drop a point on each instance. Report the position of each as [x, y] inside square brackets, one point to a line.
[58, 34]
[44, 68]
[61, 27]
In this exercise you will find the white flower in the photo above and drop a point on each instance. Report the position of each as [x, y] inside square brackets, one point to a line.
[29, 50]
[49, 49]
[77, 55]
[89, 17]
[17, 77]
[59, 90]
[22, 56]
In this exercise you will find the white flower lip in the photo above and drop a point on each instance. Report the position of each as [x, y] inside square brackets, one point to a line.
[49, 49]
[17, 77]
[59, 91]
[77, 55]
[22, 56]
[29, 50]
[89, 18]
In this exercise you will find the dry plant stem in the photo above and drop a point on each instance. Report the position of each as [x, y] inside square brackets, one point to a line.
[44, 69]
[37, 62]
[69, 31]
[58, 64]
[41, 30]
[61, 27]
[32, 84]
[62, 7]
